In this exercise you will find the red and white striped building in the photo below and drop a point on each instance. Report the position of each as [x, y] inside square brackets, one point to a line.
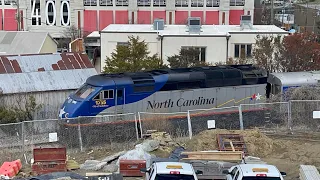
[54, 16]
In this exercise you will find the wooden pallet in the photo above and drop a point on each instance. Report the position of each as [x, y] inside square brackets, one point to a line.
[214, 156]
[231, 142]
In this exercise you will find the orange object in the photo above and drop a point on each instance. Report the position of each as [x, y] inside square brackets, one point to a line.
[10, 165]
[7, 171]
[18, 162]
[10, 169]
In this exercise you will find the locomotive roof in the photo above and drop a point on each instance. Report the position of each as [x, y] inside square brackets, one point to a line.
[185, 74]
[294, 78]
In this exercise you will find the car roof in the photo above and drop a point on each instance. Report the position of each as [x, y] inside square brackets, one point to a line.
[164, 168]
[269, 170]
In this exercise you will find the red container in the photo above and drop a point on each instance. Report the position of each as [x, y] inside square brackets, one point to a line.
[131, 168]
[49, 154]
[49, 167]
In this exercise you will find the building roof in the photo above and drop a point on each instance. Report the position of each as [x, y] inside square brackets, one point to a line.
[207, 30]
[44, 72]
[94, 34]
[18, 42]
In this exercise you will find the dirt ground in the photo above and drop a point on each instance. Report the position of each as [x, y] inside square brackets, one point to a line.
[286, 151]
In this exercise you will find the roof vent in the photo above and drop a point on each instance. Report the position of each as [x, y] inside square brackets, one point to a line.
[194, 25]
[245, 20]
[158, 24]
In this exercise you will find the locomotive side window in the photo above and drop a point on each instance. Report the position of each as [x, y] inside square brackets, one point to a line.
[106, 94]
[276, 89]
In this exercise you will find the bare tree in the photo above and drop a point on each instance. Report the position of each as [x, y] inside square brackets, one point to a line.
[71, 33]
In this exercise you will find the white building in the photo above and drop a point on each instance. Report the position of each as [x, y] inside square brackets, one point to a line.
[217, 42]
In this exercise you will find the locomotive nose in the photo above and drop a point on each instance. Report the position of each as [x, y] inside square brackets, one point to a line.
[68, 108]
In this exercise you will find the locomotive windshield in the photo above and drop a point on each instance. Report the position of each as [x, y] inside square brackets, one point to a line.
[84, 91]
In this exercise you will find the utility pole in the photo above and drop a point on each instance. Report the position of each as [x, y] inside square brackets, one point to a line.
[18, 15]
[306, 24]
[272, 12]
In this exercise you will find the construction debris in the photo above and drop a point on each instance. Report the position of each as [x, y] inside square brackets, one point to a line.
[96, 165]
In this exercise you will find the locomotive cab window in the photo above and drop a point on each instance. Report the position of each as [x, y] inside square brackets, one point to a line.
[84, 91]
[106, 94]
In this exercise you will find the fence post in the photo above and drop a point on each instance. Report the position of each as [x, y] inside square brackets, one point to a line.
[136, 123]
[240, 116]
[189, 125]
[80, 137]
[140, 127]
[289, 115]
[23, 141]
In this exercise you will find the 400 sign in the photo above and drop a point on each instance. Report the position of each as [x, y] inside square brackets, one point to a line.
[50, 5]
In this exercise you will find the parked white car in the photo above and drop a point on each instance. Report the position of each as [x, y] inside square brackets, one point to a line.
[254, 172]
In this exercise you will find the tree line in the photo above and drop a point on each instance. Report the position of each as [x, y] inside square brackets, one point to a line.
[296, 52]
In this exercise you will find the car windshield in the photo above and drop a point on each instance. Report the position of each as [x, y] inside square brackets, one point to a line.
[260, 178]
[84, 91]
[174, 177]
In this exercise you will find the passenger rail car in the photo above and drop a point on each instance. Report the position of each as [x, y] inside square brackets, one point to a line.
[167, 90]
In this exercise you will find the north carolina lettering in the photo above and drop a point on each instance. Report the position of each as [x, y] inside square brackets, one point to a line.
[180, 103]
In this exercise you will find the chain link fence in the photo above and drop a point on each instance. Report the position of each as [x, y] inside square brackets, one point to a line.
[18, 140]
[11, 142]
[301, 112]
[265, 115]
[121, 131]
[116, 131]
[225, 118]
[176, 124]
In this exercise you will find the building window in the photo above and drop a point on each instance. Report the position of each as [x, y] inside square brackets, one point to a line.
[197, 3]
[122, 2]
[213, 3]
[9, 2]
[106, 2]
[182, 3]
[223, 18]
[237, 2]
[242, 50]
[144, 2]
[159, 3]
[90, 2]
[199, 53]
[122, 43]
